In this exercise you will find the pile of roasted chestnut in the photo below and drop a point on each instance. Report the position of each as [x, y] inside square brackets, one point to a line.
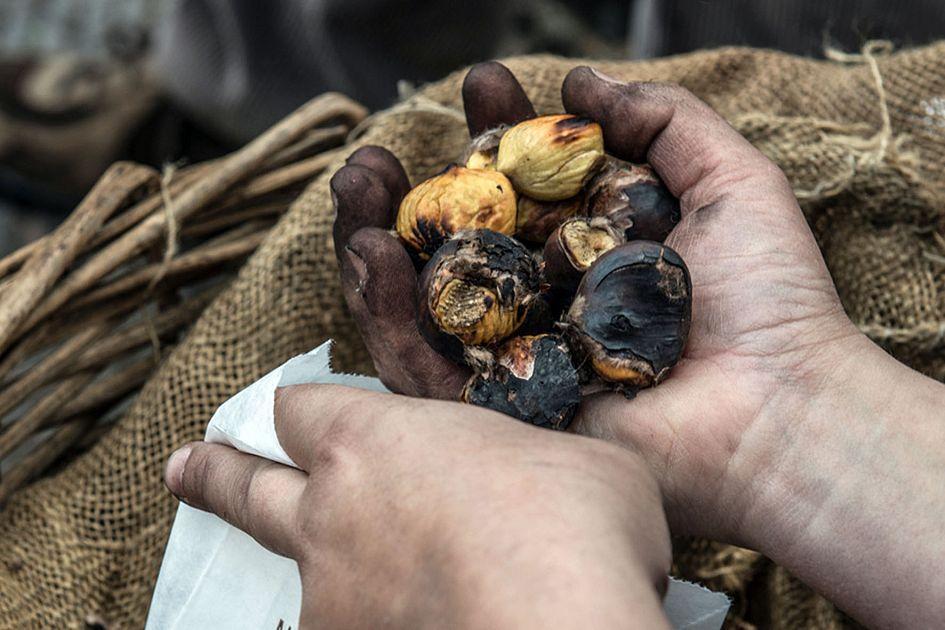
[544, 269]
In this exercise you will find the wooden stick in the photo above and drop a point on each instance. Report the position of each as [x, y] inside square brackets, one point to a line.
[124, 220]
[42, 411]
[315, 139]
[108, 390]
[50, 367]
[230, 171]
[187, 175]
[195, 261]
[48, 262]
[12, 262]
[42, 456]
[216, 223]
[138, 213]
[140, 334]
[298, 173]
[240, 232]
[293, 177]
[57, 329]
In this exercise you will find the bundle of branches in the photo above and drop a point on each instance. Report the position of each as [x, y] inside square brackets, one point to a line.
[87, 312]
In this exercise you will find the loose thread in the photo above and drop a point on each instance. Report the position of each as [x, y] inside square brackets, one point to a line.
[868, 55]
[171, 246]
[864, 151]
[153, 337]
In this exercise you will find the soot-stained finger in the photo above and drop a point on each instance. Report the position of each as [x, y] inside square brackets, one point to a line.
[387, 166]
[361, 200]
[380, 285]
[683, 138]
[492, 96]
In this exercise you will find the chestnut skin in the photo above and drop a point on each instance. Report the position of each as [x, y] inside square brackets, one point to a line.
[476, 291]
[635, 199]
[483, 149]
[537, 220]
[630, 317]
[533, 380]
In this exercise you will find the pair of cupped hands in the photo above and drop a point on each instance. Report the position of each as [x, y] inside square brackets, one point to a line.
[776, 431]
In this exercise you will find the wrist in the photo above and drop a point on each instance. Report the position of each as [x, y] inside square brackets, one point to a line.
[850, 488]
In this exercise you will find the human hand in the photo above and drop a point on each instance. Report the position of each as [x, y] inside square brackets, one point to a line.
[764, 309]
[778, 394]
[427, 514]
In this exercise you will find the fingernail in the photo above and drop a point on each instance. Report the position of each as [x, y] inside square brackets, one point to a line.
[174, 470]
[605, 77]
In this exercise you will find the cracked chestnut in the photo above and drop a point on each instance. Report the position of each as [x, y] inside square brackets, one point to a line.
[575, 246]
[476, 291]
[533, 380]
[630, 317]
[458, 199]
[635, 199]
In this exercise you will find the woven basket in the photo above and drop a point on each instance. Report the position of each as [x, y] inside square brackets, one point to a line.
[88, 311]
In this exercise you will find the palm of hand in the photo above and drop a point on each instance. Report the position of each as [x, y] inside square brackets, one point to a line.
[764, 307]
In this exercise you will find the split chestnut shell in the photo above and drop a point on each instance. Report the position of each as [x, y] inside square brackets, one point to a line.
[635, 200]
[574, 247]
[476, 290]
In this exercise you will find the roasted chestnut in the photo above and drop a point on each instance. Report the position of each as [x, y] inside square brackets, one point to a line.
[573, 248]
[551, 157]
[536, 219]
[475, 291]
[458, 199]
[635, 199]
[630, 317]
[533, 380]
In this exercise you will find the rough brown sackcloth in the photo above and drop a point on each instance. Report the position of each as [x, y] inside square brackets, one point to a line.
[860, 137]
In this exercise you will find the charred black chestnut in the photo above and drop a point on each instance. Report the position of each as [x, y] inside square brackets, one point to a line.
[635, 199]
[533, 380]
[476, 290]
[631, 314]
[573, 248]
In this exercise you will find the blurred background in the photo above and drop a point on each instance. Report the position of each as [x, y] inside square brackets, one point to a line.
[86, 82]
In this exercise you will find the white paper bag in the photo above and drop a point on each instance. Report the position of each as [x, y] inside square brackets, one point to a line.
[215, 576]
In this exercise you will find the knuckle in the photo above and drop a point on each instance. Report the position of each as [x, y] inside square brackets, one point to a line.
[251, 501]
[347, 431]
[291, 401]
[340, 443]
[677, 93]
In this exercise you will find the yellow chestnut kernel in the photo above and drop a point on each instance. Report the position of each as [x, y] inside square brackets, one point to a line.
[474, 314]
[481, 160]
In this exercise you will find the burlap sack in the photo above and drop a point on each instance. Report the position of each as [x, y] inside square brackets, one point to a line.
[861, 139]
